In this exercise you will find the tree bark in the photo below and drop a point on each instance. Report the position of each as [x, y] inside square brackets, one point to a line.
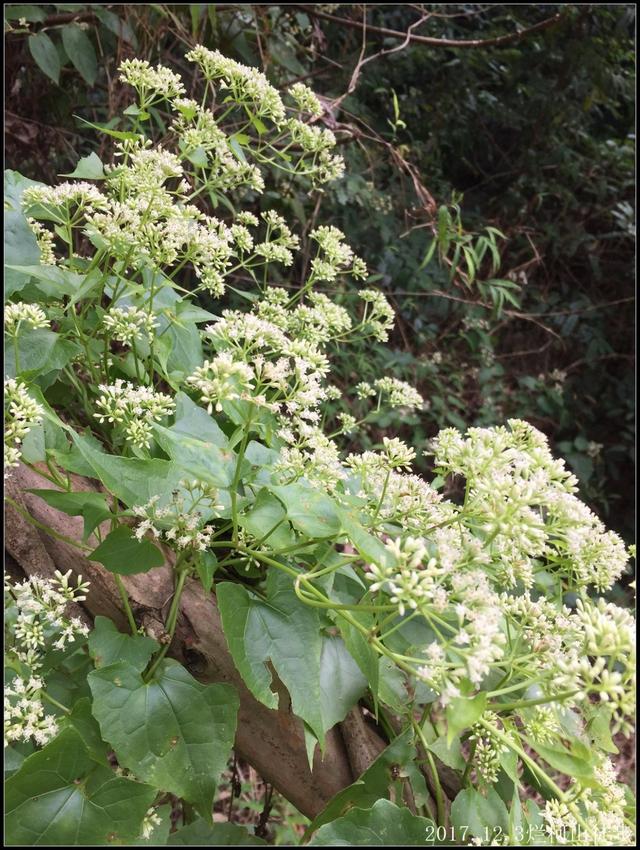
[271, 741]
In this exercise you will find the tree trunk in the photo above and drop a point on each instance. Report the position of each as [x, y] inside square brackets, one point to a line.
[271, 741]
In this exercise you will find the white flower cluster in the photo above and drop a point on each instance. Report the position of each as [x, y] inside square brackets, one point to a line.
[41, 605]
[247, 85]
[279, 248]
[310, 139]
[21, 414]
[306, 100]
[24, 715]
[148, 81]
[222, 379]
[379, 316]
[590, 651]
[334, 257]
[602, 812]
[134, 409]
[399, 393]
[81, 195]
[522, 503]
[36, 622]
[541, 723]
[129, 324]
[200, 136]
[182, 522]
[488, 749]
[19, 313]
[407, 580]
[141, 219]
[45, 241]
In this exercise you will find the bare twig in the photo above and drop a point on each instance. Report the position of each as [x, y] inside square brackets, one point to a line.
[499, 41]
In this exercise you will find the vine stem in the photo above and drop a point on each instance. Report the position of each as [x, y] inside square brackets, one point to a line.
[55, 702]
[236, 481]
[15, 353]
[50, 531]
[535, 768]
[127, 605]
[469, 765]
[512, 706]
[440, 806]
[172, 621]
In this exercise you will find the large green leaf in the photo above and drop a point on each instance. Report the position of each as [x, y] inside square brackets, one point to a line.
[463, 712]
[309, 511]
[54, 282]
[122, 553]
[264, 521]
[341, 682]
[279, 629]
[132, 480]
[60, 796]
[563, 760]
[193, 421]
[88, 504]
[85, 724]
[449, 753]
[198, 458]
[361, 650]
[385, 824]
[40, 351]
[88, 168]
[20, 245]
[369, 547]
[107, 646]
[478, 816]
[374, 783]
[200, 833]
[172, 731]
[178, 341]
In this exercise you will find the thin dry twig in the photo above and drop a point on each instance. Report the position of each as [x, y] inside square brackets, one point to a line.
[499, 41]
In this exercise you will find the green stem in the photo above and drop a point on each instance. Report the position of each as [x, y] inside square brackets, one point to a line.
[127, 605]
[15, 353]
[535, 768]
[170, 627]
[469, 765]
[236, 482]
[512, 706]
[50, 531]
[442, 812]
[55, 702]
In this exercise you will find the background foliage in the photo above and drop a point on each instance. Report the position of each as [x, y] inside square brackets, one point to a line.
[534, 137]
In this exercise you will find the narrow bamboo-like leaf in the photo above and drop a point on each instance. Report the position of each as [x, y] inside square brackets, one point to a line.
[45, 54]
[80, 50]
